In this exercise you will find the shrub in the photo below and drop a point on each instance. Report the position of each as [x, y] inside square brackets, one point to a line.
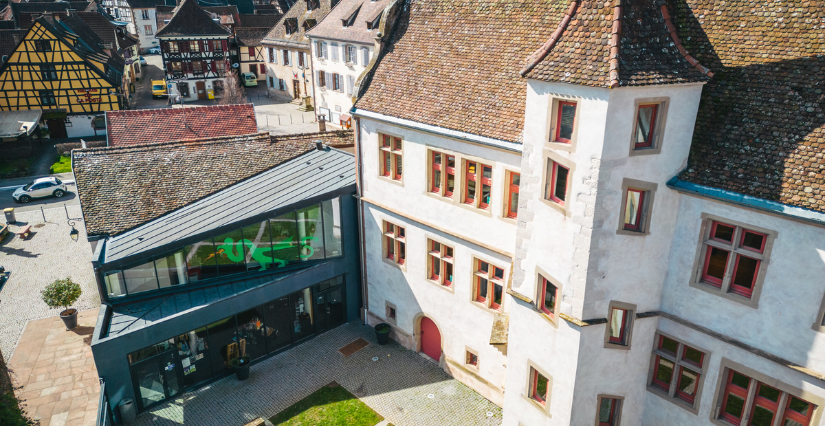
[66, 148]
[61, 293]
[11, 414]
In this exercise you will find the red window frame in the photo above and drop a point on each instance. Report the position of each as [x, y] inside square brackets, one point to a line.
[658, 383]
[611, 420]
[542, 399]
[470, 177]
[434, 259]
[742, 245]
[544, 284]
[438, 257]
[791, 414]
[622, 328]
[734, 245]
[391, 156]
[472, 359]
[638, 225]
[707, 278]
[450, 171]
[512, 189]
[738, 289]
[552, 190]
[557, 137]
[731, 388]
[488, 181]
[766, 403]
[684, 395]
[395, 243]
[652, 127]
[435, 182]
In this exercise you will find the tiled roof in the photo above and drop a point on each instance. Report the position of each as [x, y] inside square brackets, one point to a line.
[298, 13]
[455, 64]
[760, 130]
[332, 26]
[611, 44]
[189, 19]
[26, 13]
[250, 36]
[121, 188]
[9, 39]
[259, 21]
[142, 126]
[145, 4]
[229, 14]
[100, 25]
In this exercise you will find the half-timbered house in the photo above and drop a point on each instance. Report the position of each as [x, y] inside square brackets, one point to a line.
[57, 69]
[251, 54]
[195, 52]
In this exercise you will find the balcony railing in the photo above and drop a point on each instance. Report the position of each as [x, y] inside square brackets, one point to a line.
[104, 413]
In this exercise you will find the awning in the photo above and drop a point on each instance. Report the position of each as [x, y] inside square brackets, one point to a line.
[345, 117]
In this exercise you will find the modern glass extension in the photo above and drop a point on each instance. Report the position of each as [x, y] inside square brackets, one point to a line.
[305, 235]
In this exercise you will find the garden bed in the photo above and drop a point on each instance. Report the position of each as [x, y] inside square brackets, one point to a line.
[63, 164]
[331, 405]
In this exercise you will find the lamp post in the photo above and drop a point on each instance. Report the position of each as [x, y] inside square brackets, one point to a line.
[74, 233]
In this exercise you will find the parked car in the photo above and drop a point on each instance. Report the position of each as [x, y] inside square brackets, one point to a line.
[249, 79]
[154, 50]
[158, 88]
[39, 188]
[142, 61]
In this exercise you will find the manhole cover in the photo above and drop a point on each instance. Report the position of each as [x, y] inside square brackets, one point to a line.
[40, 225]
[375, 358]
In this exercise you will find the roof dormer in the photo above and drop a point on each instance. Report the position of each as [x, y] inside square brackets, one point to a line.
[349, 18]
[291, 25]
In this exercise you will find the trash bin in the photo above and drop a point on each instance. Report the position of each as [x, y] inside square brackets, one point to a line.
[128, 414]
[10, 215]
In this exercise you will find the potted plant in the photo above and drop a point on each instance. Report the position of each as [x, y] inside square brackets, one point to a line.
[62, 294]
[241, 366]
[382, 333]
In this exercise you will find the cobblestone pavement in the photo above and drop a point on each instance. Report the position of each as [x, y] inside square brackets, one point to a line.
[401, 385]
[48, 254]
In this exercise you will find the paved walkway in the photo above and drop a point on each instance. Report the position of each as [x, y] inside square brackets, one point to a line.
[401, 385]
[57, 372]
[48, 254]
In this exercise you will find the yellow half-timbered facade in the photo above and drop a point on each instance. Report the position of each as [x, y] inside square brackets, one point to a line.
[72, 80]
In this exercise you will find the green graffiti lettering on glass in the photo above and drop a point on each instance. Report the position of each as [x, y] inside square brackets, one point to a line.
[234, 252]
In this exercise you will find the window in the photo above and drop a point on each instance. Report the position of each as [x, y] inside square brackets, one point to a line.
[766, 403]
[365, 56]
[549, 298]
[350, 85]
[645, 125]
[390, 153]
[391, 312]
[442, 173]
[395, 243]
[281, 84]
[218, 45]
[609, 410]
[619, 325]
[471, 358]
[477, 184]
[144, 13]
[336, 82]
[352, 55]
[511, 208]
[301, 59]
[539, 387]
[147, 29]
[732, 259]
[677, 371]
[648, 126]
[99, 123]
[43, 45]
[47, 98]
[197, 67]
[220, 67]
[440, 265]
[272, 57]
[334, 48]
[322, 79]
[173, 47]
[556, 182]
[194, 46]
[565, 119]
[48, 72]
[488, 284]
[286, 57]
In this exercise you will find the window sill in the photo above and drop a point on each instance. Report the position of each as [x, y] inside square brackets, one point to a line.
[561, 146]
[402, 266]
[631, 233]
[733, 297]
[556, 206]
[553, 321]
[693, 409]
[472, 208]
[391, 180]
[545, 409]
[637, 152]
[619, 346]
[450, 288]
[483, 305]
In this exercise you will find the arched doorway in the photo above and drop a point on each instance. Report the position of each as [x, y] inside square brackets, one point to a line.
[430, 339]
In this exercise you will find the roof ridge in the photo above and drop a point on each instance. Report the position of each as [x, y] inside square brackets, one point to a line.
[545, 49]
[615, 41]
[184, 109]
[293, 135]
[671, 28]
[181, 142]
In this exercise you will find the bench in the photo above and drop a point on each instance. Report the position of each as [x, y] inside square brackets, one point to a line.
[25, 231]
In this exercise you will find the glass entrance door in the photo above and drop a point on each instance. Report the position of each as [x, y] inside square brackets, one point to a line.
[329, 309]
[156, 379]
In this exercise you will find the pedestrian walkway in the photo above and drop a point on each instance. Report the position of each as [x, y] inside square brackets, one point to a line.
[56, 372]
[402, 386]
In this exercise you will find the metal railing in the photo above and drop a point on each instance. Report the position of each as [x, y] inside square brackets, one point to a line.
[104, 413]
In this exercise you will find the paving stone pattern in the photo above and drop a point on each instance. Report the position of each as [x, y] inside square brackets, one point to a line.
[48, 254]
[402, 386]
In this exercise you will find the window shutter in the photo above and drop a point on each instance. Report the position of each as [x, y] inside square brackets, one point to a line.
[214, 66]
[365, 53]
[262, 68]
[350, 85]
[252, 52]
[224, 44]
[166, 47]
[200, 45]
[334, 47]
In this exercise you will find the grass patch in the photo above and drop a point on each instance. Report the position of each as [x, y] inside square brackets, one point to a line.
[63, 164]
[332, 405]
[9, 166]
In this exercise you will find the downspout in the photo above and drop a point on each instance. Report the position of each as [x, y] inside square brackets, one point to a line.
[363, 246]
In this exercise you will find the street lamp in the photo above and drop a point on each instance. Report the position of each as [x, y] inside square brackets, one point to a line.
[74, 232]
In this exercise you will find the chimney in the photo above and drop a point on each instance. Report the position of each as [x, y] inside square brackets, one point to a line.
[319, 145]
[322, 123]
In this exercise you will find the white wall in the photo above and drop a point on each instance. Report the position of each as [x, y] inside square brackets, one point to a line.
[82, 126]
[278, 70]
[147, 41]
[337, 102]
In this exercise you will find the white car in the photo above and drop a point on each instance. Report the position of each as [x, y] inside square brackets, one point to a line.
[39, 188]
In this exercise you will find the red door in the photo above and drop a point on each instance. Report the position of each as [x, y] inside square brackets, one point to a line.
[430, 339]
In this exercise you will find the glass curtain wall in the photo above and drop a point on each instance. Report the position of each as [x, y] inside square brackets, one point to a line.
[308, 234]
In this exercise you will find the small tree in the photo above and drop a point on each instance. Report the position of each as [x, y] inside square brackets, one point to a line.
[61, 293]
[232, 91]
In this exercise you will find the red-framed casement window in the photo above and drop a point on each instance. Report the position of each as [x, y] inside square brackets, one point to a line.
[609, 411]
[677, 369]
[395, 244]
[391, 154]
[645, 125]
[565, 119]
[735, 249]
[471, 359]
[513, 181]
[539, 385]
[488, 284]
[478, 184]
[442, 173]
[765, 402]
[619, 325]
[633, 208]
[549, 298]
[195, 45]
[440, 266]
[172, 47]
[557, 176]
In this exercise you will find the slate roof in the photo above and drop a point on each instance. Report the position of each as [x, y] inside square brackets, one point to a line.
[189, 19]
[145, 4]
[142, 126]
[455, 64]
[612, 44]
[299, 13]
[100, 25]
[229, 14]
[259, 21]
[760, 130]
[250, 36]
[26, 13]
[9, 39]
[332, 27]
[121, 188]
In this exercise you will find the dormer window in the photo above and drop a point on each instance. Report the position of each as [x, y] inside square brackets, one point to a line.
[373, 24]
[308, 24]
[349, 18]
[313, 4]
[291, 25]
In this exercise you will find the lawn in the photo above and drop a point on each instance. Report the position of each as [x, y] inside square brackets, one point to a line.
[63, 164]
[332, 405]
[8, 166]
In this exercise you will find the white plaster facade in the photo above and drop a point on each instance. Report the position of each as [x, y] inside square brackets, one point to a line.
[331, 57]
[79, 126]
[145, 25]
[288, 69]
